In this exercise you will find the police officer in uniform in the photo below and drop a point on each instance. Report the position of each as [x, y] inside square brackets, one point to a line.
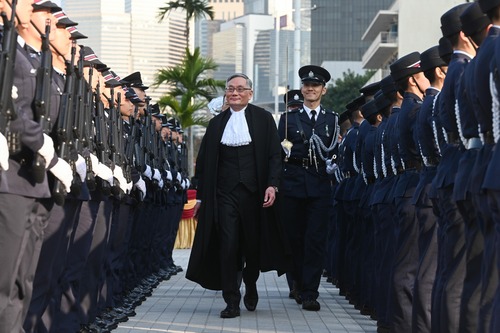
[409, 79]
[313, 132]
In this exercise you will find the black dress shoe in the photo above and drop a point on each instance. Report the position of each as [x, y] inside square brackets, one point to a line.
[231, 311]
[296, 296]
[291, 295]
[251, 297]
[311, 305]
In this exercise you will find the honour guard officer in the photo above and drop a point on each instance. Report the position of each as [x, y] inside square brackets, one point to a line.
[25, 199]
[410, 80]
[475, 26]
[382, 199]
[347, 272]
[485, 172]
[434, 69]
[450, 284]
[313, 132]
[372, 114]
[361, 289]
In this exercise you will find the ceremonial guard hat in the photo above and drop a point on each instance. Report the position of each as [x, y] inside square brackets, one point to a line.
[406, 66]
[312, 73]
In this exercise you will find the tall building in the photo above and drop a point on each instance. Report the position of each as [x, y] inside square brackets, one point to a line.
[127, 36]
[337, 27]
[398, 30]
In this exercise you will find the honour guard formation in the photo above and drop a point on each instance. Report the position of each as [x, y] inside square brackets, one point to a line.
[395, 200]
[93, 180]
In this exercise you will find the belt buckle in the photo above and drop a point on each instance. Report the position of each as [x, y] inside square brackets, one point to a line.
[474, 143]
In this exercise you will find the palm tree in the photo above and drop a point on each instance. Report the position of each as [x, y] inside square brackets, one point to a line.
[193, 8]
[190, 89]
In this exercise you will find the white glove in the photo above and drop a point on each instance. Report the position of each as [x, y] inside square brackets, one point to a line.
[169, 175]
[141, 186]
[148, 173]
[179, 178]
[4, 153]
[330, 167]
[81, 167]
[118, 174]
[157, 175]
[95, 162]
[62, 171]
[105, 173]
[184, 184]
[47, 151]
[188, 183]
[128, 187]
[160, 183]
[14, 94]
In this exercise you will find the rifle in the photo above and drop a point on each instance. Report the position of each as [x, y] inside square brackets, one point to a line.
[42, 100]
[88, 137]
[102, 147]
[78, 129]
[65, 126]
[7, 60]
[114, 140]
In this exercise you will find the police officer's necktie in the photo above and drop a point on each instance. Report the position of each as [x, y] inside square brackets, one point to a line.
[313, 116]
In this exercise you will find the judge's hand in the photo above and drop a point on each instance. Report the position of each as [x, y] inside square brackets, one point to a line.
[269, 197]
[196, 208]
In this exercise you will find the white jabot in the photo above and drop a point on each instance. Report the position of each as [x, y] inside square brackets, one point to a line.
[236, 132]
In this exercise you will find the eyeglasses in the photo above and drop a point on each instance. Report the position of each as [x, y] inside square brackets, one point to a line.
[239, 90]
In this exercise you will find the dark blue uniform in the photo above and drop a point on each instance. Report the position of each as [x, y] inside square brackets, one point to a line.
[406, 259]
[427, 215]
[451, 283]
[307, 191]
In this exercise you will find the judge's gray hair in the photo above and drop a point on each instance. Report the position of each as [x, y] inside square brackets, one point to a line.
[249, 82]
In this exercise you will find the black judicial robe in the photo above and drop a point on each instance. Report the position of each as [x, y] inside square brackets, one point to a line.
[204, 265]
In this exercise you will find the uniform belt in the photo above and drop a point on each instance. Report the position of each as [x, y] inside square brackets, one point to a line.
[473, 143]
[304, 162]
[453, 138]
[489, 138]
[413, 164]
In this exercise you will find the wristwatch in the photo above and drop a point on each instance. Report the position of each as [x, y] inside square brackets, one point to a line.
[275, 189]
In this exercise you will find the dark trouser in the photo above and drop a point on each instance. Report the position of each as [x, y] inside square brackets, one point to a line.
[65, 303]
[21, 225]
[238, 226]
[474, 242]
[353, 251]
[341, 246]
[428, 252]
[448, 295]
[50, 264]
[405, 265]
[386, 241]
[93, 274]
[494, 204]
[307, 225]
[489, 270]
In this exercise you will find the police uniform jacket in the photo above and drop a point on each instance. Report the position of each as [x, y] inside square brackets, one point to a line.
[301, 178]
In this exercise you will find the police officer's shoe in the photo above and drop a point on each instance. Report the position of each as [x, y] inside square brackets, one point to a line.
[251, 297]
[231, 311]
[311, 305]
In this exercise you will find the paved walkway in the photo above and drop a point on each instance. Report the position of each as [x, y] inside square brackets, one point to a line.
[179, 305]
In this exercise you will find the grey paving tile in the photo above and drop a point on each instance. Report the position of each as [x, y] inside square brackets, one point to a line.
[178, 305]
